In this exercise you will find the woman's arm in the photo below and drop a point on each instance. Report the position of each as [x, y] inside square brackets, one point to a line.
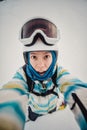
[75, 94]
[13, 101]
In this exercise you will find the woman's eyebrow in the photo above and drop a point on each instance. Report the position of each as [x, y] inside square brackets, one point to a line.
[33, 53]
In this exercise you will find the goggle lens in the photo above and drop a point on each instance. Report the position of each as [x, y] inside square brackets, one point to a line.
[49, 29]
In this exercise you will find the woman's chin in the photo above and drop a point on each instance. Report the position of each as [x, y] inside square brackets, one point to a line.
[41, 73]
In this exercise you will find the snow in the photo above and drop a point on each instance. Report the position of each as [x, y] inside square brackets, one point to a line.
[60, 120]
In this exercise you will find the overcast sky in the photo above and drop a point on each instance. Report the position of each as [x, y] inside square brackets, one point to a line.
[71, 18]
[69, 15]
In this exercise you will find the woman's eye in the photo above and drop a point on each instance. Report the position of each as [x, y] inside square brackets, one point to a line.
[33, 57]
[47, 56]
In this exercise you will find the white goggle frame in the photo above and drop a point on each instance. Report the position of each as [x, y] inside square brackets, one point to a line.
[51, 41]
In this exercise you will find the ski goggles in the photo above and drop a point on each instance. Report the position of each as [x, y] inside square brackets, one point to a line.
[39, 27]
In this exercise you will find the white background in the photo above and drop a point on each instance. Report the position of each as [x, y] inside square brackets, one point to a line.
[69, 15]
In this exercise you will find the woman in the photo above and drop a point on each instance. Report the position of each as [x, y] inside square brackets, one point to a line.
[41, 86]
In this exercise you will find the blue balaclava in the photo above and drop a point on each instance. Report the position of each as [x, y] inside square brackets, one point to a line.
[34, 75]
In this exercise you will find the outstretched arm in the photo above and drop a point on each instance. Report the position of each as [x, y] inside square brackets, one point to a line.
[75, 94]
[13, 101]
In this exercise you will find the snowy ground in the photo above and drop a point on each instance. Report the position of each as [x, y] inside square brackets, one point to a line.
[61, 120]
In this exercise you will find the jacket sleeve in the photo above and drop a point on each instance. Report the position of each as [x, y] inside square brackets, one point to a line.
[75, 94]
[13, 101]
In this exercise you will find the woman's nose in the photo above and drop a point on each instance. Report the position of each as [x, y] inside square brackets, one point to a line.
[41, 63]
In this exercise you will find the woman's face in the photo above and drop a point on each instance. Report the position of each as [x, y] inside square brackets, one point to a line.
[40, 61]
